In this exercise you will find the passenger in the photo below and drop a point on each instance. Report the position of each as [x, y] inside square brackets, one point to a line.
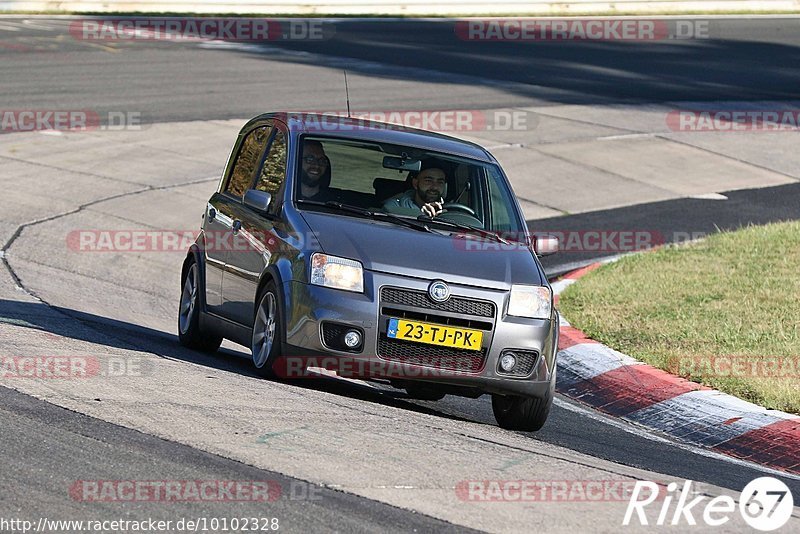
[426, 197]
[315, 173]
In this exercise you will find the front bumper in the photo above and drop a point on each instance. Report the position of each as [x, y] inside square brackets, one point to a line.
[307, 307]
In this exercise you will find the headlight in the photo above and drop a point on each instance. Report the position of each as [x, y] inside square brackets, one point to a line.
[339, 273]
[530, 301]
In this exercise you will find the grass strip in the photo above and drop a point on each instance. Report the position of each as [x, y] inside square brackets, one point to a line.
[724, 312]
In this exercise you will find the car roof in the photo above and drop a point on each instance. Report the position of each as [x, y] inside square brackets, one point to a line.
[328, 125]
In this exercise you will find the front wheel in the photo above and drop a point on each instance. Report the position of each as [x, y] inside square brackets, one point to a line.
[189, 333]
[527, 414]
[266, 332]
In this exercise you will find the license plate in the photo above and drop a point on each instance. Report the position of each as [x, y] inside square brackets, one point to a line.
[435, 334]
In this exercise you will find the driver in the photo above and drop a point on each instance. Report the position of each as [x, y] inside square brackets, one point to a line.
[424, 199]
[315, 173]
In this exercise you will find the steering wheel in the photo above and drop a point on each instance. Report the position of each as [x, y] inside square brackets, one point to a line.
[460, 217]
[460, 207]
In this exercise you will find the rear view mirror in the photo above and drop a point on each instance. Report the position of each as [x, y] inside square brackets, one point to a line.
[545, 244]
[401, 164]
[258, 200]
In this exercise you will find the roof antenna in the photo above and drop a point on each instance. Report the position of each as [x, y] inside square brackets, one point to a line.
[347, 93]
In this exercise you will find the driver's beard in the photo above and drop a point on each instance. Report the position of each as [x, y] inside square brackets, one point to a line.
[308, 180]
[432, 196]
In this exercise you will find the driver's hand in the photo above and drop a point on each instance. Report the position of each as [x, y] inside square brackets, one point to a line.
[432, 209]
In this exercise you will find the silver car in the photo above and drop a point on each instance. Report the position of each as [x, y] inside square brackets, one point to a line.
[375, 251]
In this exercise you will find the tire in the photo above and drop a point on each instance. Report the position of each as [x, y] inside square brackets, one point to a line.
[424, 392]
[526, 414]
[189, 333]
[267, 328]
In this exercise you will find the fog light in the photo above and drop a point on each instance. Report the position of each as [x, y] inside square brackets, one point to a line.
[507, 362]
[352, 339]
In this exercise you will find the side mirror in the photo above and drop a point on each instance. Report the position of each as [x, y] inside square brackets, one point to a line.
[545, 244]
[258, 200]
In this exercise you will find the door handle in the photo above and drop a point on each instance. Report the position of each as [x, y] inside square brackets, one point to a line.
[237, 225]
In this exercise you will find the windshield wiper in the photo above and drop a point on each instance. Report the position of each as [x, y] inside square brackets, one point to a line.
[409, 223]
[337, 205]
[467, 228]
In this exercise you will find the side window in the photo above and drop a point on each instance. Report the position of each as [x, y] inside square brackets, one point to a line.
[501, 206]
[246, 161]
[273, 171]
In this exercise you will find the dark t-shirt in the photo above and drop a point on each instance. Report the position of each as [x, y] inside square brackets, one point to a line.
[323, 195]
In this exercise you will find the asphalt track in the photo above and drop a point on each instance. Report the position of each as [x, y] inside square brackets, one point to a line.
[168, 81]
[47, 448]
[55, 442]
[676, 220]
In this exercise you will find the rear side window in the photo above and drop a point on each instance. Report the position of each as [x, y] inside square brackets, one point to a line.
[273, 172]
[244, 168]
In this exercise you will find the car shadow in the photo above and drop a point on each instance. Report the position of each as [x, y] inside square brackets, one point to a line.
[110, 332]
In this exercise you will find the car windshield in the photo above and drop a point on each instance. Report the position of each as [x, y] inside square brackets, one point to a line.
[398, 180]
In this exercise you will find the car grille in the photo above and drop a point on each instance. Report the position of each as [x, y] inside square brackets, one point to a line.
[431, 355]
[439, 319]
[419, 299]
[525, 362]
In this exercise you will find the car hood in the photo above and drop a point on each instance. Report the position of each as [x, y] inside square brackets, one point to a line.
[456, 258]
